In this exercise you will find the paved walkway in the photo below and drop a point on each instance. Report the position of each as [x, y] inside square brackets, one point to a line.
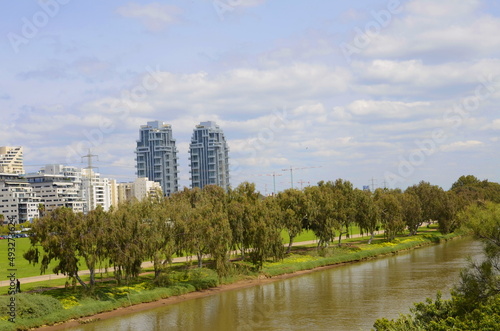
[143, 265]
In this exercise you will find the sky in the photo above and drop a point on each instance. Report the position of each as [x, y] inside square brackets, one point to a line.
[380, 93]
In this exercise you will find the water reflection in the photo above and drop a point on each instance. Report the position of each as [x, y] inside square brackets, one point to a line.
[348, 297]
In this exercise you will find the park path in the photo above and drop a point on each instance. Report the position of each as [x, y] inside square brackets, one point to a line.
[147, 264]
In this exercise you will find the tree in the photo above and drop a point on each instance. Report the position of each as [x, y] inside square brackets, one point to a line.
[473, 190]
[367, 214]
[265, 232]
[431, 196]
[218, 230]
[391, 213]
[125, 244]
[411, 211]
[64, 237]
[158, 229]
[242, 203]
[321, 214]
[293, 207]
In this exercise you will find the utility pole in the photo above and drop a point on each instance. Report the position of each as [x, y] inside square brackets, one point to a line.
[90, 192]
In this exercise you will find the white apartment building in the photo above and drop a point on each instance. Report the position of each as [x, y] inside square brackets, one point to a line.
[91, 189]
[96, 191]
[18, 200]
[11, 160]
[56, 191]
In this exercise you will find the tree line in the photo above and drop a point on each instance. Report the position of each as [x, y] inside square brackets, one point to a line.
[212, 222]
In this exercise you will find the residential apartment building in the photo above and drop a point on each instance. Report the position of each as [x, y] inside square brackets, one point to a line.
[96, 191]
[90, 187]
[56, 191]
[11, 160]
[209, 156]
[139, 189]
[156, 156]
[17, 200]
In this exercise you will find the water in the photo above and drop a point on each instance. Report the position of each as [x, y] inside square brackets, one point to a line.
[349, 297]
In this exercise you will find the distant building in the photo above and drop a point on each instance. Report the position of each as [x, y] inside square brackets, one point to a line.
[140, 189]
[56, 191]
[92, 189]
[209, 156]
[96, 191]
[124, 192]
[18, 201]
[11, 160]
[157, 156]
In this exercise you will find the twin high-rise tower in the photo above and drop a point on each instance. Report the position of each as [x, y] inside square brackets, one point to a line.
[157, 156]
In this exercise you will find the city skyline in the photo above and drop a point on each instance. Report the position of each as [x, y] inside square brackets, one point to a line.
[394, 91]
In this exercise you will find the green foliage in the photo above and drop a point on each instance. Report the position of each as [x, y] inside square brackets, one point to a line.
[30, 305]
[475, 302]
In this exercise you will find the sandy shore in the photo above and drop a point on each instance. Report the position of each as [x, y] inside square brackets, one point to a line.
[180, 298]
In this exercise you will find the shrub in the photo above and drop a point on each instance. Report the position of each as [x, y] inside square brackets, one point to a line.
[29, 306]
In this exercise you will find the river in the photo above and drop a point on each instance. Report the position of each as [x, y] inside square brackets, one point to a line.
[349, 297]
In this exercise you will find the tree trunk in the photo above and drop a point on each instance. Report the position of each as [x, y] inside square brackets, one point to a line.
[92, 277]
[81, 281]
[290, 245]
[371, 238]
[200, 259]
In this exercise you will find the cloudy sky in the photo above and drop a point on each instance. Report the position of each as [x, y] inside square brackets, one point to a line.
[380, 92]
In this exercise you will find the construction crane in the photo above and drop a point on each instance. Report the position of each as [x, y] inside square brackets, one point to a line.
[291, 169]
[274, 174]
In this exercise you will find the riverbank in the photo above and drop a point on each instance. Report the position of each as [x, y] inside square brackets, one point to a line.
[301, 262]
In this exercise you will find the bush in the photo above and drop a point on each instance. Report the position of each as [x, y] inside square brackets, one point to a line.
[29, 306]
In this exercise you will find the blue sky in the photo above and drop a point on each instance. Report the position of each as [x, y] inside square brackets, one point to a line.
[394, 91]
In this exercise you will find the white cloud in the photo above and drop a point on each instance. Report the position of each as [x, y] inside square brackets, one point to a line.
[462, 146]
[388, 109]
[155, 16]
[437, 30]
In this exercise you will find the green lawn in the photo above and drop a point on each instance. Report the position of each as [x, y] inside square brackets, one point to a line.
[24, 269]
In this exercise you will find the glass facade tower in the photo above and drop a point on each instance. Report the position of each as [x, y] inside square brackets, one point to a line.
[209, 156]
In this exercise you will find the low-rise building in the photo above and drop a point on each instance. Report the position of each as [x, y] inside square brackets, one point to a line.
[18, 201]
[139, 189]
[56, 191]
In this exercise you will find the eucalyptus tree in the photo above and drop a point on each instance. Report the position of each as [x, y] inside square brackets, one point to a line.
[411, 209]
[217, 230]
[158, 230]
[344, 205]
[92, 238]
[431, 197]
[391, 213]
[125, 247]
[66, 236]
[367, 214]
[265, 232]
[321, 213]
[242, 202]
[292, 205]
[195, 225]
